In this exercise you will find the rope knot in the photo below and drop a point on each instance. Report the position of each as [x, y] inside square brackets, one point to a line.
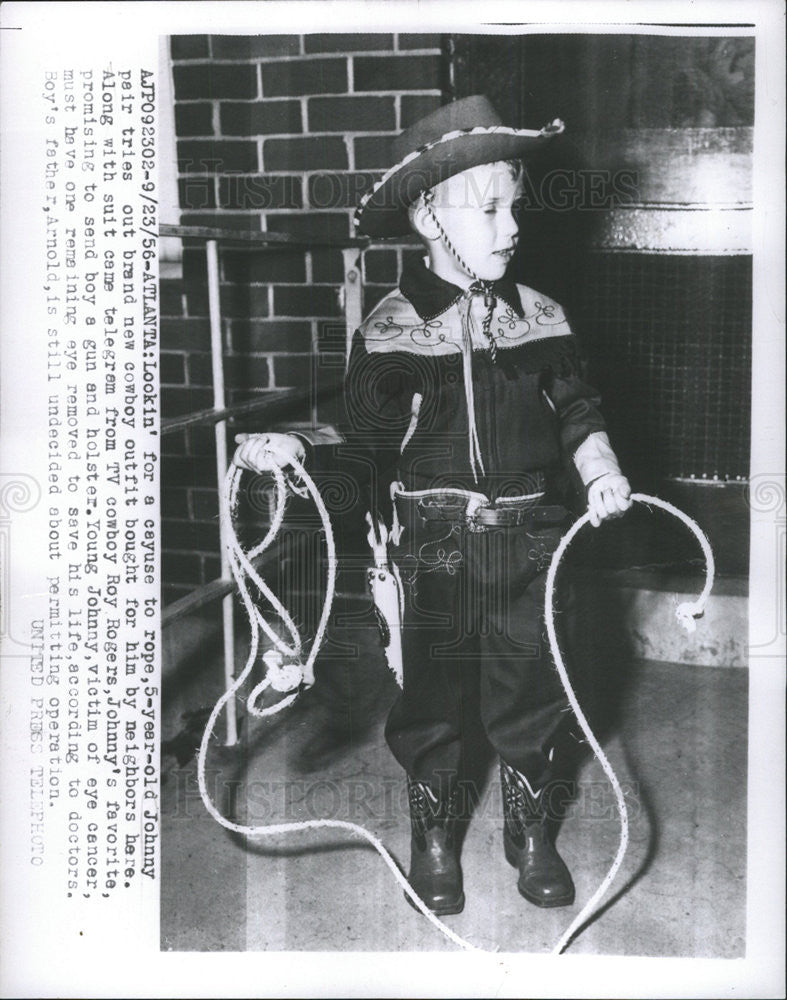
[282, 676]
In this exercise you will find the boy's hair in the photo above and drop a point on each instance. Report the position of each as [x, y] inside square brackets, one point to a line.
[516, 167]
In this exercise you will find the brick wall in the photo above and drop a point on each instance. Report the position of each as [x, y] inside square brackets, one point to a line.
[278, 134]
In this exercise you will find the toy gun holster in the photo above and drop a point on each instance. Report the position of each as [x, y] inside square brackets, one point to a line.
[385, 585]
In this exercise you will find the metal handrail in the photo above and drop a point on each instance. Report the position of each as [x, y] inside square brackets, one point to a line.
[274, 402]
[259, 240]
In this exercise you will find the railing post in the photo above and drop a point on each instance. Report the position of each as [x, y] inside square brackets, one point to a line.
[217, 357]
[350, 294]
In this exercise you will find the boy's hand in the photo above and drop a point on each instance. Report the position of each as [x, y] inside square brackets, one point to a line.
[260, 452]
[608, 496]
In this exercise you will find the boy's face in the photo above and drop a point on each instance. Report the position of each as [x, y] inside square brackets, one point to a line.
[475, 208]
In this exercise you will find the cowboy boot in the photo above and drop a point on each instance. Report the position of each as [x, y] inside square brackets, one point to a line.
[434, 863]
[544, 879]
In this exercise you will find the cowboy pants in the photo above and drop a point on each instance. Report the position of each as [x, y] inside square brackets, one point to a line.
[475, 650]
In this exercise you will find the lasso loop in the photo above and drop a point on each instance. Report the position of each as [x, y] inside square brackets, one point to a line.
[685, 614]
[287, 677]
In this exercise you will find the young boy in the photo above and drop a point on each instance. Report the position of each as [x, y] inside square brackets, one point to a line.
[465, 390]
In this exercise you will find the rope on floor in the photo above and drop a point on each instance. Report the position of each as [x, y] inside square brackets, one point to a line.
[284, 677]
[685, 613]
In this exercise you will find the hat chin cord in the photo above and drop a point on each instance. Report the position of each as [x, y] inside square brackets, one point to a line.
[478, 286]
[428, 199]
[483, 286]
[299, 676]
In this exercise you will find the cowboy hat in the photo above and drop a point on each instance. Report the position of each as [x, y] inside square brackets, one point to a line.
[457, 136]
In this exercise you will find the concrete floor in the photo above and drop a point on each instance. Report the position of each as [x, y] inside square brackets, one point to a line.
[676, 736]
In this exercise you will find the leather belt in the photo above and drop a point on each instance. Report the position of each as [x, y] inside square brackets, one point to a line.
[483, 518]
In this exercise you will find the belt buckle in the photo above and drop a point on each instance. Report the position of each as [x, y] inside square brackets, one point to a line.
[486, 518]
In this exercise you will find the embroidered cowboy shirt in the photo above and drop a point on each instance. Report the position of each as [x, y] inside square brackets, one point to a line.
[437, 406]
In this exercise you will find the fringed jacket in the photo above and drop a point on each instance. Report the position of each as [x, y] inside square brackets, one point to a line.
[447, 388]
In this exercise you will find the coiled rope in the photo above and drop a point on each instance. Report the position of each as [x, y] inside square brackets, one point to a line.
[284, 678]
